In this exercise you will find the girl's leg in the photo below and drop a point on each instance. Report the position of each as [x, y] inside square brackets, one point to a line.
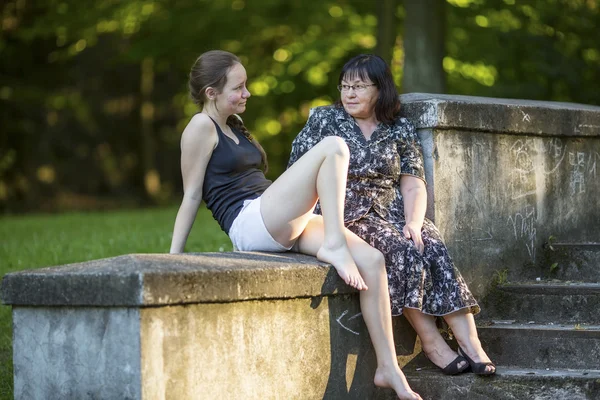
[463, 327]
[374, 303]
[434, 345]
[286, 206]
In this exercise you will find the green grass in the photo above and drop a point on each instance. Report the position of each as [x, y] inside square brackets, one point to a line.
[35, 241]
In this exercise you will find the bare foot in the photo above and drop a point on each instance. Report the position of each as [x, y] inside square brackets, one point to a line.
[393, 378]
[343, 262]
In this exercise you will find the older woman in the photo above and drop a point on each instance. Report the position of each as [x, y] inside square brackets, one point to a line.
[385, 205]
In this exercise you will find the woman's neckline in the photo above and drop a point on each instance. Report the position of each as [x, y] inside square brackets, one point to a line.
[367, 139]
[358, 129]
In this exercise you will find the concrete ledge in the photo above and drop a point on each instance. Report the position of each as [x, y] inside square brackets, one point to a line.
[471, 113]
[159, 326]
[274, 349]
[164, 279]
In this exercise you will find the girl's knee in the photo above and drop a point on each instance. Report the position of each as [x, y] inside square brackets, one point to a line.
[377, 260]
[336, 145]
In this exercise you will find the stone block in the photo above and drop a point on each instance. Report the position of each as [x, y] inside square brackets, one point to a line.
[194, 326]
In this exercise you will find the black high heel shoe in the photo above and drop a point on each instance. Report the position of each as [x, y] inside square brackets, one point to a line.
[453, 368]
[478, 368]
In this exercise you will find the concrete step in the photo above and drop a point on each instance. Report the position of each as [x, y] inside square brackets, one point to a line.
[544, 302]
[542, 346]
[507, 384]
[572, 261]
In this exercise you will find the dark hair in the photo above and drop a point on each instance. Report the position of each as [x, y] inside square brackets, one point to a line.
[210, 70]
[369, 67]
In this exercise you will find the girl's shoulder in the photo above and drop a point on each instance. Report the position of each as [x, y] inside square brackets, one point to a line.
[201, 121]
[200, 129]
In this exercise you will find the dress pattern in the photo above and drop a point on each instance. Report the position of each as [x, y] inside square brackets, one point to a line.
[375, 210]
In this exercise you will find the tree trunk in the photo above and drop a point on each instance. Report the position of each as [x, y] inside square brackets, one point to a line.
[386, 29]
[424, 46]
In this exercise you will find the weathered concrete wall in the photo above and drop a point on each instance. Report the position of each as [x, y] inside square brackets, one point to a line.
[263, 349]
[76, 353]
[505, 175]
[194, 326]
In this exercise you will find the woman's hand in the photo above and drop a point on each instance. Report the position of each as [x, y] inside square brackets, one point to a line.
[412, 230]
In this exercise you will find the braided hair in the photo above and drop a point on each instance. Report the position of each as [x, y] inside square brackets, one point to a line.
[235, 122]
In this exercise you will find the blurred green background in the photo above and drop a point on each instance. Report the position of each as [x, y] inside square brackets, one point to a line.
[93, 98]
[93, 94]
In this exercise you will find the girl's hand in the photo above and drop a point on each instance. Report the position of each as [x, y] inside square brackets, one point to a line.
[413, 231]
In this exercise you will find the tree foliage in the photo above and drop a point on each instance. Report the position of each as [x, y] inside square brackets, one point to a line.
[93, 94]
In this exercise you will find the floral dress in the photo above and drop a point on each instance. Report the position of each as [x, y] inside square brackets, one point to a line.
[375, 210]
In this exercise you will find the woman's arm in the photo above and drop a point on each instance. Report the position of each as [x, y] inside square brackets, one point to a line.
[412, 182]
[415, 204]
[197, 144]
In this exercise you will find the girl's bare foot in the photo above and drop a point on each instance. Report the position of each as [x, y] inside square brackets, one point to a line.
[393, 378]
[341, 259]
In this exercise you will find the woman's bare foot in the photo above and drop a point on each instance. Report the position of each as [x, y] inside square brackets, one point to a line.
[341, 259]
[393, 378]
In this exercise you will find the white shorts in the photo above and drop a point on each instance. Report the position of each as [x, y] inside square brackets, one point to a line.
[249, 233]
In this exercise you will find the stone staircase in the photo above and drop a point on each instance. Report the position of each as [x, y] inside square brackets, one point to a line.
[544, 336]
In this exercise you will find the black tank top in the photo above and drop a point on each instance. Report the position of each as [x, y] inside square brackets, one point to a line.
[233, 175]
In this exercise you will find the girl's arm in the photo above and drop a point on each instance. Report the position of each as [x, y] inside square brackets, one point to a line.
[197, 144]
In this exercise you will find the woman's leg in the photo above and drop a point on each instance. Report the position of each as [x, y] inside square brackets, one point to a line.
[286, 206]
[434, 345]
[374, 303]
[463, 327]
[418, 281]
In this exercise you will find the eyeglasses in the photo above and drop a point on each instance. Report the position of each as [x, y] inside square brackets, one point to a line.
[357, 88]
